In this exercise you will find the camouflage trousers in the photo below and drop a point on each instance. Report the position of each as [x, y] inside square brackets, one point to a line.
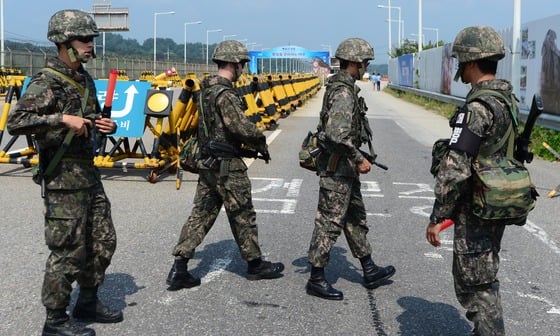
[475, 267]
[340, 208]
[213, 191]
[80, 234]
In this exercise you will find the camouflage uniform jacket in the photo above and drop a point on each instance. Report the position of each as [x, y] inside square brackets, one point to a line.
[489, 118]
[39, 111]
[342, 125]
[225, 120]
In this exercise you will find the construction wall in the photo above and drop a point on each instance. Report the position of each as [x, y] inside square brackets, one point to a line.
[433, 69]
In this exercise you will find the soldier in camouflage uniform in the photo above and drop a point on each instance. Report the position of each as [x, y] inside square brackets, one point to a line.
[479, 124]
[223, 178]
[79, 230]
[343, 129]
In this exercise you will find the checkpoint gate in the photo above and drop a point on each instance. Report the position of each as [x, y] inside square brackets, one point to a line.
[167, 122]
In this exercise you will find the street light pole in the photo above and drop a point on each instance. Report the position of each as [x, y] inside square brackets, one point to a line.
[401, 23]
[389, 24]
[2, 33]
[185, 49]
[209, 31]
[437, 34]
[420, 37]
[226, 36]
[155, 34]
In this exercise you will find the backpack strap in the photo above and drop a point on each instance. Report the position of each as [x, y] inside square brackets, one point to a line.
[511, 132]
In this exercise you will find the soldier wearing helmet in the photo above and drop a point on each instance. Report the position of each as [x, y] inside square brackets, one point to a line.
[231, 52]
[61, 110]
[73, 25]
[223, 130]
[343, 128]
[478, 127]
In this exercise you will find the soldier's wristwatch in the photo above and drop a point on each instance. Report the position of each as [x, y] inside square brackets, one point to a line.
[435, 219]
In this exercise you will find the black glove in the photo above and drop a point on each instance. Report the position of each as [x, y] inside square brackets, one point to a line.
[265, 155]
[263, 150]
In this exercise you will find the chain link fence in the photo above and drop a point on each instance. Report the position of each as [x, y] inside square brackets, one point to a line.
[30, 62]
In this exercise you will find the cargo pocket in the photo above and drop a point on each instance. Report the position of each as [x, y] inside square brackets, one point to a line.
[479, 265]
[237, 191]
[333, 196]
[62, 220]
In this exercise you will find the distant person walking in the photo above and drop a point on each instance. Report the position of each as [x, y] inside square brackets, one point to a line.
[378, 81]
[373, 80]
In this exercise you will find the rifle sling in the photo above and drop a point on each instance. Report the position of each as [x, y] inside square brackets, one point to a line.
[68, 138]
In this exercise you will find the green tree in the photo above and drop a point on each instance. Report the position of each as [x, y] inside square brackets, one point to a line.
[411, 47]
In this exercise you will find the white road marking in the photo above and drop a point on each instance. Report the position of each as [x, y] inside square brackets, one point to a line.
[433, 255]
[553, 310]
[541, 235]
[216, 269]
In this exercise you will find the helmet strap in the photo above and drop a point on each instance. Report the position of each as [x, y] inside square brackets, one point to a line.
[71, 52]
[460, 71]
[74, 55]
[238, 70]
[359, 70]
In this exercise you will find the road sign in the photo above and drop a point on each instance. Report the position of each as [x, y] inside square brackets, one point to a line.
[128, 106]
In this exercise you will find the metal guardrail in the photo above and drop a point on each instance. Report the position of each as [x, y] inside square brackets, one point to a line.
[546, 120]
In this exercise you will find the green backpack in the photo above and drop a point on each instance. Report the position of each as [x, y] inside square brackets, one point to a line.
[502, 187]
[309, 152]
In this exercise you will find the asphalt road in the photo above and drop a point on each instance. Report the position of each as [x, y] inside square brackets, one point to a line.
[418, 300]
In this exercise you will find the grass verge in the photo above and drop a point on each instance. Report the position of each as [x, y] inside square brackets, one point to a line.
[538, 136]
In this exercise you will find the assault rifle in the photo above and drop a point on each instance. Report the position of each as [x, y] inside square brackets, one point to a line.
[224, 150]
[371, 159]
[522, 153]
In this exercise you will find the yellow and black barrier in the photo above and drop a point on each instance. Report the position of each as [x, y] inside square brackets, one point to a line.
[279, 94]
[26, 156]
[265, 101]
[10, 77]
[171, 121]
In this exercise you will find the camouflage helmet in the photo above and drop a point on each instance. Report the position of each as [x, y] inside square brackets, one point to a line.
[354, 50]
[66, 25]
[231, 51]
[479, 42]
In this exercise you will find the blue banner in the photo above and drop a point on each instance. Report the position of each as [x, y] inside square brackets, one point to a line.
[406, 70]
[285, 52]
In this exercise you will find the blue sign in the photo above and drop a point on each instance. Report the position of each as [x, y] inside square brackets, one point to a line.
[406, 70]
[128, 106]
[285, 52]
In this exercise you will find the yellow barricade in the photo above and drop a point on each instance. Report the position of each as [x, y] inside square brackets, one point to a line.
[279, 94]
[266, 101]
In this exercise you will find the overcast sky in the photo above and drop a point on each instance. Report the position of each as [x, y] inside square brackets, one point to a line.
[310, 24]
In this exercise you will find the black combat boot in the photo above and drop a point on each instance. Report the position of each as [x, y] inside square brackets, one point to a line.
[58, 324]
[179, 277]
[259, 269]
[318, 286]
[373, 274]
[89, 308]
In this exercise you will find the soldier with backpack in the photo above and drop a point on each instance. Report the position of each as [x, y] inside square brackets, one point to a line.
[223, 129]
[343, 128]
[483, 135]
